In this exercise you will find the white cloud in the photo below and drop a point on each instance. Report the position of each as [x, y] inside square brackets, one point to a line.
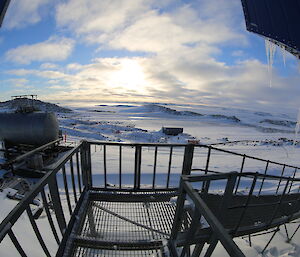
[74, 66]
[53, 49]
[185, 77]
[19, 72]
[48, 74]
[24, 12]
[57, 87]
[182, 42]
[182, 36]
[93, 19]
[88, 16]
[238, 53]
[157, 32]
[144, 26]
[189, 76]
[48, 65]
[17, 82]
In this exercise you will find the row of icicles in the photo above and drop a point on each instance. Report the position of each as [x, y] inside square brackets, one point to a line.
[270, 52]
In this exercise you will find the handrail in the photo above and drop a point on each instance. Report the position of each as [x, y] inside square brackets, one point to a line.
[183, 145]
[26, 155]
[13, 216]
[219, 175]
[252, 157]
[219, 233]
[217, 209]
[133, 144]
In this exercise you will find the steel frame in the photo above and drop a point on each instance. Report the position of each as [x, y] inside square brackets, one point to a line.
[180, 241]
[77, 163]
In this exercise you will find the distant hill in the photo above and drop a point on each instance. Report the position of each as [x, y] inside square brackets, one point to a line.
[38, 105]
[154, 108]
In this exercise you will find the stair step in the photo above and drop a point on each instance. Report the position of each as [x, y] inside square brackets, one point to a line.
[80, 251]
[110, 245]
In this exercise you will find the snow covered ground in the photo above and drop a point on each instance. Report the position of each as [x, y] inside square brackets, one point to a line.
[262, 134]
[266, 135]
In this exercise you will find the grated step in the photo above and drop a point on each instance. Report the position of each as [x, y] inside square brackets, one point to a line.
[128, 222]
[94, 252]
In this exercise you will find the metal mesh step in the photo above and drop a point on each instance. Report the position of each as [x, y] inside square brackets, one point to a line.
[92, 252]
[128, 222]
[123, 224]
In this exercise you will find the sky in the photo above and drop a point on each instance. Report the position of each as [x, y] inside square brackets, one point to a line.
[192, 52]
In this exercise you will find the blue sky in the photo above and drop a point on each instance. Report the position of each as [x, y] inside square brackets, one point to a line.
[196, 52]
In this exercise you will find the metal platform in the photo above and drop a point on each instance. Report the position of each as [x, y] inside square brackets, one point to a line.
[90, 216]
[122, 224]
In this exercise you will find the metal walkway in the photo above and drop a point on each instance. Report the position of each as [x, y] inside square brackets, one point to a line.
[92, 213]
[116, 223]
[122, 224]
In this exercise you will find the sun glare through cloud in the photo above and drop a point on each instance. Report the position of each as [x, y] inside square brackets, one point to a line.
[129, 76]
[174, 51]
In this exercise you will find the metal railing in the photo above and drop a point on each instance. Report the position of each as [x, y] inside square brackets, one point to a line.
[29, 154]
[140, 165]
[122, 166]
[54, 200]
[245, 163]
[225, 213]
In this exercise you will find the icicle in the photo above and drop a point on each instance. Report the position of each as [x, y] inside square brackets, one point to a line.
[297, 127]
[267, 45]
[270, 52]
[283, 52]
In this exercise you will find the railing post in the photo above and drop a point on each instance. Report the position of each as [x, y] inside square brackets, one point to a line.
[78, 173]
[282, 172]
[137, 167]
[245, 206]
[104, 166]
[120, 166]
[16, 243]
[188, 159]
[241, 171]
[227, 197]
[59, 213]
[195, 224]
[208, 159]
[154, 167]
[280, 201]
[206, 184]
[83, 164]
[169, 166]
[263, 180]
[89, 165]
[179, 211]
[292, 180]
[86, 164]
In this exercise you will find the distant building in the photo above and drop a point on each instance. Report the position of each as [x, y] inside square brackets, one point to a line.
[172, 131]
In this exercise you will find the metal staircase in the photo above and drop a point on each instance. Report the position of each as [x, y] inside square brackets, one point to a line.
[89, 215]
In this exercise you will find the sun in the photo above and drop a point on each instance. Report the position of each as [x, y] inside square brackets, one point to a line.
[128, 75]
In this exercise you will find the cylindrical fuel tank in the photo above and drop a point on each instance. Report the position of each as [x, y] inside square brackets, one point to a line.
[36, 128]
